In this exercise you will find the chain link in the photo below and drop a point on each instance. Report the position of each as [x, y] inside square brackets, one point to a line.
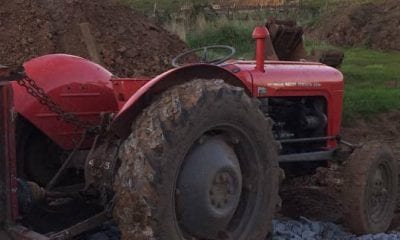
[37, 92]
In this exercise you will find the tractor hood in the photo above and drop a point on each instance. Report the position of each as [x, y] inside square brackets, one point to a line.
[281, 78]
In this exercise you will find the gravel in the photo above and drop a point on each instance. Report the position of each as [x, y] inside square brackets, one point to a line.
[301, 229]
[305, 229]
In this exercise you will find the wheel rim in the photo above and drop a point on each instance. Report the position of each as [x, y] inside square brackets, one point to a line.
[378, 193]
[232, 190]
[224, 191]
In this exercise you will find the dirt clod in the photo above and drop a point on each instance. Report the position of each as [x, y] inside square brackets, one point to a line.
[127, 42]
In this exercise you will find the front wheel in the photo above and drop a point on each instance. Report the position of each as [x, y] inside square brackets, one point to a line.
[200, 163]
[370, 190]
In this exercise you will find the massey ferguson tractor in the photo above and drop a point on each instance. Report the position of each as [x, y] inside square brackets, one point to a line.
[197, 152]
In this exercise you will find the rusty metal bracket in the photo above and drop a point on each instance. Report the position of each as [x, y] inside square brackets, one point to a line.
[348, 144]
[101, 162]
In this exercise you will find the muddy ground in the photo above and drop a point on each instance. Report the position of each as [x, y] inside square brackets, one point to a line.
[125, 41]
[374, 24]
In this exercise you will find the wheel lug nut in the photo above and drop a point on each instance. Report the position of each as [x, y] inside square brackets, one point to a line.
[235, 140]
[201, 140]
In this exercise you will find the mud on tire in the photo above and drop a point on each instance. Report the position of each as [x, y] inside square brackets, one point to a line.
[370, 191]
[155, 196]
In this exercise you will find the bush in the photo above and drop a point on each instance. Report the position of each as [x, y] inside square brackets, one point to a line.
[231, 34]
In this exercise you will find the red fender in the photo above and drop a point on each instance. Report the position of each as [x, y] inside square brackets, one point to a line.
[143, 97]
[76, 84]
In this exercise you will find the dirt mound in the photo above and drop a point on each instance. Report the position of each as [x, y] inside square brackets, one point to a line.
[127, 43]
[373, 24]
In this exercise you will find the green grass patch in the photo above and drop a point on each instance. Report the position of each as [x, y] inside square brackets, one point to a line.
[372, 81]
[232, 34]
[372, 78]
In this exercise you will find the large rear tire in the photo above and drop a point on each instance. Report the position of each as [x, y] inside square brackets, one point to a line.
[200, 163]
[370, 190]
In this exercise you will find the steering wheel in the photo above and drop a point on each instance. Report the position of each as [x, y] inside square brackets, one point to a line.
[205, 55]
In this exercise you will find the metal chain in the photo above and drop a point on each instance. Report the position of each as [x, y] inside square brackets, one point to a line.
[37, 92]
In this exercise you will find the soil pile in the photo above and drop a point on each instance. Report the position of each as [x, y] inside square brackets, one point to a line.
[127, 43]
[373, 24]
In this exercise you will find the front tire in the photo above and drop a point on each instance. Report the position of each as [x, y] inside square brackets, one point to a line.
[202, 153]
[370, 191]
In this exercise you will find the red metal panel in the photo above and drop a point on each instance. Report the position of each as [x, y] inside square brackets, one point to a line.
[78, 85]
[175, 76]
[124, 88]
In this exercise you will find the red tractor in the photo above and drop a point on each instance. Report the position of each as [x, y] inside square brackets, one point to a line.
[197, 152]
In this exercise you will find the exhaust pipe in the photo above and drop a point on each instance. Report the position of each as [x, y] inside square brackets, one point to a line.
[260, 34]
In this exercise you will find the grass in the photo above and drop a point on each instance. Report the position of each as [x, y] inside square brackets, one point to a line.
[372, 78]
[233, 34]
[372, 82]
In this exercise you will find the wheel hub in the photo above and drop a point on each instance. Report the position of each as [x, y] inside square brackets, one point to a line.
[222, 191]
[208, 189]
